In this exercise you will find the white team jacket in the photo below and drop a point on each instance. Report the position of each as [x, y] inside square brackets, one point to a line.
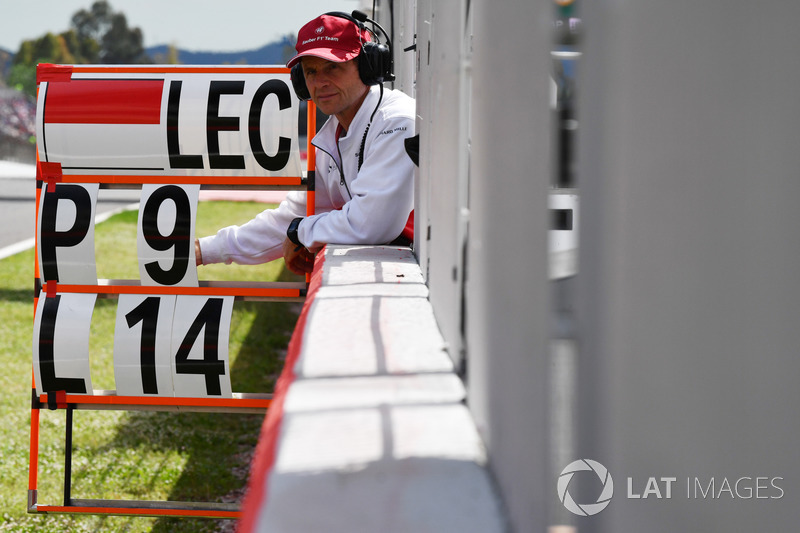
[369, 206]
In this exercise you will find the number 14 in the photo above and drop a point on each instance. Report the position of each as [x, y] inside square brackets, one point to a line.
[150, 329]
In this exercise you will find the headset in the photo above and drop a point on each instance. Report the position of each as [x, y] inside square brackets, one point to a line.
[375, 60]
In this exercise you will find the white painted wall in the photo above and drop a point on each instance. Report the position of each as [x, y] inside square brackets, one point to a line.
[689, 298]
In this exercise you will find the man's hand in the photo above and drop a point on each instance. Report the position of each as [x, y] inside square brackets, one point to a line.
[198, 257]
[298, 259]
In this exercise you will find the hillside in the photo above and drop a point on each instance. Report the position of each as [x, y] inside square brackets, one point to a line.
[275, 53]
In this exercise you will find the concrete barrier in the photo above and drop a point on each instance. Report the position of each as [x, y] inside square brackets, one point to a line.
[368, 430]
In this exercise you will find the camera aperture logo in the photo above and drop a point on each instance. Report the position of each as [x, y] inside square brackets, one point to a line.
[585, 467]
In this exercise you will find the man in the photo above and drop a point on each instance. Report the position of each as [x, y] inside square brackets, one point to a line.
[364, 178]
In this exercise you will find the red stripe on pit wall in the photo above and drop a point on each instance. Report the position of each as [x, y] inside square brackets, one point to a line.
[255, 500]
[104, 102]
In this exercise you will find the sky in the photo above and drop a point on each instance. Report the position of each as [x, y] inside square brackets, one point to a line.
[195, 25]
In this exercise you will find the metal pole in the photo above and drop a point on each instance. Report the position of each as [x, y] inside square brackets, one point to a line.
[68, 459]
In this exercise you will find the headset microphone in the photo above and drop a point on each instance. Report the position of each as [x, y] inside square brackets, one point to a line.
[360, 16]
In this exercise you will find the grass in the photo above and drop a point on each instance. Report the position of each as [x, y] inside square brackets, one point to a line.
[134, 454]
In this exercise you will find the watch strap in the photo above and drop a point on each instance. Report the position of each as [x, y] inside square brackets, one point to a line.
[291, 232]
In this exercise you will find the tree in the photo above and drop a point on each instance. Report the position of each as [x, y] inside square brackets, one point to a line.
[49, 48]
[96, 36]
[89, 27]
[122, 45]
[118, 43]
[84, 51]
[23, 78]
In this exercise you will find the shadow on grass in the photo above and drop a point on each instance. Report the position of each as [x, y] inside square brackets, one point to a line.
[215, 448]
[17, 295]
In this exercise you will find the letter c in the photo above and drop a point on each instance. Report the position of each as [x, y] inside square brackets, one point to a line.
[279, 160]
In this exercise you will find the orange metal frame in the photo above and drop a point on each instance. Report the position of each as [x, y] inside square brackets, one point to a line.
[290, 181]
[266, 291]
[240, 403]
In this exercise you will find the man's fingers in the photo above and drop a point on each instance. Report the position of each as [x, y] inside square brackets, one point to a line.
[297, 258]
[302, 263]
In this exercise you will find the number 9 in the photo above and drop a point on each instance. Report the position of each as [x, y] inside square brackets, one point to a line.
[172, 206]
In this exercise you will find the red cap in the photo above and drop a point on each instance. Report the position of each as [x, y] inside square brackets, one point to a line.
[329, 37]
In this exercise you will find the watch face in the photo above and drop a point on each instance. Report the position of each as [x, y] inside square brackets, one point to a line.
[292, 231]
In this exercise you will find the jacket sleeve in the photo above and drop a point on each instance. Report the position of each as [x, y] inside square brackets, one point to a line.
[382, 193]
[258, 241]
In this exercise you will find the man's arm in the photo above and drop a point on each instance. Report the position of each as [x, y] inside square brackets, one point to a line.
[260, 240]
[382, 195]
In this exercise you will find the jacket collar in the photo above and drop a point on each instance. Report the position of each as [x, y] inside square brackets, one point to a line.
[326, 138]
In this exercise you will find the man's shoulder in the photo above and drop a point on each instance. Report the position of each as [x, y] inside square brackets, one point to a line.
[397, 104]
[398, 97]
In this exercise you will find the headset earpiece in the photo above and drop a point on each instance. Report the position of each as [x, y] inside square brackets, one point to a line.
[375, 63]
[299, 82]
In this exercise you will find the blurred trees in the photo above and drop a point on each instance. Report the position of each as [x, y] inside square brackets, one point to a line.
[99, 35]
[118, 44]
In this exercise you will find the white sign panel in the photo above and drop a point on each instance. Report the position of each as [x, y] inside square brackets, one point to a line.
[61, 343]
[65, 233]
[165, 235]
[142, 350]
[200, 331]
[168, 120]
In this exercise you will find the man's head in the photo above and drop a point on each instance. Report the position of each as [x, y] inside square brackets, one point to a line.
[334, 37]
[339, 37]
[328, 66]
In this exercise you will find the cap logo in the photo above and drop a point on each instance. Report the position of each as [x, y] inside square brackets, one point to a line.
[319, 30]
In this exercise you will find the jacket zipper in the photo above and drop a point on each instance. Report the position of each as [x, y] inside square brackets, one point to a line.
[342, 181]
[341, 172]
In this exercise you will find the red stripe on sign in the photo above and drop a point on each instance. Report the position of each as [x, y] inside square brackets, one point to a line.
[104, 102]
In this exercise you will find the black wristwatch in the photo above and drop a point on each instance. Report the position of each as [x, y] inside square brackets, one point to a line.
[292, 231]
